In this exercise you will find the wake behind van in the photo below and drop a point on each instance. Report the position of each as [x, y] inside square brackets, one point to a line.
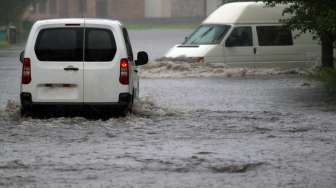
[247, 34]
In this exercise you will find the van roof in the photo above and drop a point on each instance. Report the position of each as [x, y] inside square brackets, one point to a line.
[245, 13]
[78, 20]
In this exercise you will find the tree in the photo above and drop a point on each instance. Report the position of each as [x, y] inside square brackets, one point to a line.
[11, 11]
[318, 17]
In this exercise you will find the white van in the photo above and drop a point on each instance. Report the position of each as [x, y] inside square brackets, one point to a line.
[247, 34]
[79, 62]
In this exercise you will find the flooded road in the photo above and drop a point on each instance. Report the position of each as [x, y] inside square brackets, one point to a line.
[157, 41]
[228, 128]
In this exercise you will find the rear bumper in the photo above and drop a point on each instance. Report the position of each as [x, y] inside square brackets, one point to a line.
[125, 100]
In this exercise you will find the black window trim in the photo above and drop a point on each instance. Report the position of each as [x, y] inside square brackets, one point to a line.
[291, 43]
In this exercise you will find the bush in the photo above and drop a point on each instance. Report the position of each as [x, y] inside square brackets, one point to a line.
[328, 77]
[4, 44]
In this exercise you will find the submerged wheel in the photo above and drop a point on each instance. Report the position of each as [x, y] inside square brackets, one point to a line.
[130, 106]
[123, 112]
[26, 112]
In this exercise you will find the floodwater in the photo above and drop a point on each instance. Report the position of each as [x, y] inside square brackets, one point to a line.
[157, 41]
[193, 126]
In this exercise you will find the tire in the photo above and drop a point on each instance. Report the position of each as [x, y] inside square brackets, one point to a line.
[123, 112]
[26, 112]
[130, 106]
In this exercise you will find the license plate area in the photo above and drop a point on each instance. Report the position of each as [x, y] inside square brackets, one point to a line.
[57, 92]
[59, 85]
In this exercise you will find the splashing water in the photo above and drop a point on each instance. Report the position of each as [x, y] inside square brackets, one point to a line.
[169, 69]
[11, 112]
[147, 107]
[144, 107]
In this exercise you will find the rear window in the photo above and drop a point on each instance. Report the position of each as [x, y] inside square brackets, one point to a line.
[60, 44]
[274, 36]
[100, 45]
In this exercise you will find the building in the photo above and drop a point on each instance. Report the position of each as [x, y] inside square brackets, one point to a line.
[116, 9]
[122, 9]
[180, 8]
[174, 8]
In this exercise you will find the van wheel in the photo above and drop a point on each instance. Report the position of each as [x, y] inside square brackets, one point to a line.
[26, 112]
[123, 112]
[130, 106]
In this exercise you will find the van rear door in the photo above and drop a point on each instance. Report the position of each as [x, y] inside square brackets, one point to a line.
[57, 68]
[102, 64]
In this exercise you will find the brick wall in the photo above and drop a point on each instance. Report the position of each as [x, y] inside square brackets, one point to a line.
[188, 8]
[63, 8]
[116, 9]
[73, 8]
[90, 8]
[126, 9]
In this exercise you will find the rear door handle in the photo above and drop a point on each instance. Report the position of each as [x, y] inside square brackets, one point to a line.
[136, 71]
[71, 68]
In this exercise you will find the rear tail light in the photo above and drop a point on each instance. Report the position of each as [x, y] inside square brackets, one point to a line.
[26, 71]
[124, 72]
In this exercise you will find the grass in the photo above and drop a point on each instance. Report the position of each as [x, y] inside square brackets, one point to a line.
[135, 26]
[4, 44]
[328, 77]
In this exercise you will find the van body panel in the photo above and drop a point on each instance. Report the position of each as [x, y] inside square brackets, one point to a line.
[55, 84]
[190, 51]
[301, 51]
[215, 55]
[245, 13]
[239, 55]
[102, 87]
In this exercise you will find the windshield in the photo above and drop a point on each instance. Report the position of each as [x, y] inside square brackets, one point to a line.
[207, 34]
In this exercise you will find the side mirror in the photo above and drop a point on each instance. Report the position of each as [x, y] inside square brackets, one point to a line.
[142, 59]
[22, 56]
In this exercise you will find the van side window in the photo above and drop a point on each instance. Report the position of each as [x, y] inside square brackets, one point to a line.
[128, 45]
[100, 45]
[240, 36]
[60, 44]
[274, 36]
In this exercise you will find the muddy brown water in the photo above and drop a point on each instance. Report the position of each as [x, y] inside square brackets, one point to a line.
[192, 127]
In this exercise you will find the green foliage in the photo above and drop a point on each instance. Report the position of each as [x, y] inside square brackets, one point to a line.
[315, 16]
[327, 77]
[4, 44]
[11, 11]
